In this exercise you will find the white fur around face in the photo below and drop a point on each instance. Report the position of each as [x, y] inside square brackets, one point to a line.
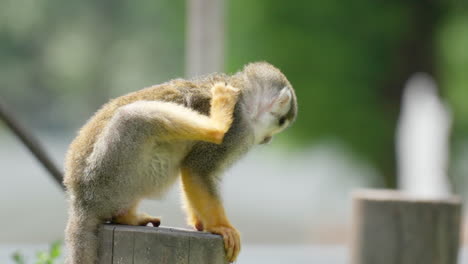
[269, 109]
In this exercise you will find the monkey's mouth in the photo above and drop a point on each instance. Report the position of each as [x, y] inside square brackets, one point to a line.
[266, 140]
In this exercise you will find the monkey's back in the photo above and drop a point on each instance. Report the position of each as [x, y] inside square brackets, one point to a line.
[194, 95]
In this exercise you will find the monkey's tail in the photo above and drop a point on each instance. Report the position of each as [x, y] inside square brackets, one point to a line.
[81, 237]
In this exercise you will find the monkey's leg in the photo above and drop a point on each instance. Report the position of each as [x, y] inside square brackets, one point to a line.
[131, 217]
[224, 98]
[204, 205]
[192, 218]
[170, 121]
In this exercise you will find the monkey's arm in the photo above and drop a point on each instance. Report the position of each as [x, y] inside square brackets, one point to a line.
[206, 211]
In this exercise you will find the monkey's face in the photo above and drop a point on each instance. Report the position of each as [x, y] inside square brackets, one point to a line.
[269, 99]
[273, 119]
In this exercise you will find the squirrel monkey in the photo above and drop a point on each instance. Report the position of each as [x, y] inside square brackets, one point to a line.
[137, 145]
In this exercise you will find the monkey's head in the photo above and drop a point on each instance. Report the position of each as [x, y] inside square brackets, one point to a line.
[269, 99]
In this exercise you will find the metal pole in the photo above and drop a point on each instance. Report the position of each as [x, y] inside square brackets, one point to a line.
[32, 144]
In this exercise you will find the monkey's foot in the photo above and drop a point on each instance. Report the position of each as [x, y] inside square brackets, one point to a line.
[136, 219]
[219, 89]
[224, 94]
[231, 239]
[222, 105]
[145, 219]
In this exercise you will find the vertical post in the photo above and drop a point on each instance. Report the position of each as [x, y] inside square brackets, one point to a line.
[205, 37]
[423, 139]
[392, 227]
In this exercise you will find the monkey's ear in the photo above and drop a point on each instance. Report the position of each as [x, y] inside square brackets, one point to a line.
[282, 102]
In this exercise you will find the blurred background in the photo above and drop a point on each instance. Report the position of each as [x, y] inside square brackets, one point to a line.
[348, 61]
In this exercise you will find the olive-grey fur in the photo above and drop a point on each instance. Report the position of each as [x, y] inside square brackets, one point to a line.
[117, 157]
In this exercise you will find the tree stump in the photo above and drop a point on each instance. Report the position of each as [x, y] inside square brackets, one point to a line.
[391, 227]
[120, 244]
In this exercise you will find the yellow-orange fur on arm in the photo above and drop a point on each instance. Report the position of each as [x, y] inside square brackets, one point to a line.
[205, 209]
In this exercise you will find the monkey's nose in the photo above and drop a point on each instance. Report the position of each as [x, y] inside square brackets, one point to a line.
[266, 140]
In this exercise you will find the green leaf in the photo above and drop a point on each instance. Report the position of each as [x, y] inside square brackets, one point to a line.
[55, 250]
[42, 257]
[18, 258]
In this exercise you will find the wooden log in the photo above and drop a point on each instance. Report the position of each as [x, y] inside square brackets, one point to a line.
[120, 244]
[391, 227]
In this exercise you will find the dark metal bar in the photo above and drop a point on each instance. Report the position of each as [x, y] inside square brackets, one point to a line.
[32, 144]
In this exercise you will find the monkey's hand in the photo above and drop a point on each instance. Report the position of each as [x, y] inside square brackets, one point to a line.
[231, 239]
[230, 235]
[224, 99]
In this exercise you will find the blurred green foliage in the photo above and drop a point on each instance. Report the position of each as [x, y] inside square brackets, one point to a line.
[335, 54]
[18, 258]
[42, 257]
[61, 60]
[348, 62]
[453, 51]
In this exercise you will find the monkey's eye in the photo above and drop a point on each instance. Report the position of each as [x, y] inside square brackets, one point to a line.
[281, 121]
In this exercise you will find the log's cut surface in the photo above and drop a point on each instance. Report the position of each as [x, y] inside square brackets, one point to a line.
[120, 244]
[390, 227]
